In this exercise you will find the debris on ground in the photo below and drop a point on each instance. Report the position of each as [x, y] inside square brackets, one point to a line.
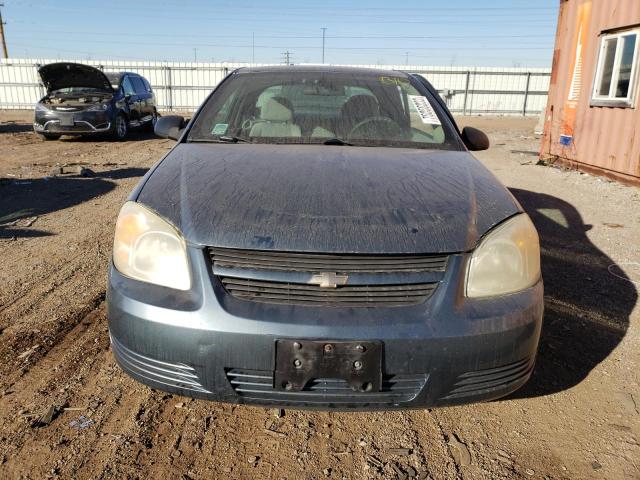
[375, 461]
[81, 423]
[47, 417]
[459, 451]
[274, 433]
[86, 172]
[403, 452]
[21, 222]
[29, 352]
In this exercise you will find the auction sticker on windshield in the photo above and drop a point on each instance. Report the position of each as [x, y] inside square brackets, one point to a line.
[220, 128]
[424, 109]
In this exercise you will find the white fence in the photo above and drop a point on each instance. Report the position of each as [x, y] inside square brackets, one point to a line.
[184, 85]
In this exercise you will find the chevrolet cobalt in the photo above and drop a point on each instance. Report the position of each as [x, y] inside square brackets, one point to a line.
[321, 237]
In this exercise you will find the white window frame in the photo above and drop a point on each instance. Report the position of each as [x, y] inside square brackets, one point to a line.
[610, 100]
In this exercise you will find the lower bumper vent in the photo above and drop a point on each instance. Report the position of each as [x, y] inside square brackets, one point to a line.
[176, 375]
[258, 385]
[482, 382]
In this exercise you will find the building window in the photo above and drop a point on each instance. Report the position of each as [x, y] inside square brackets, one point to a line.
[617, 69]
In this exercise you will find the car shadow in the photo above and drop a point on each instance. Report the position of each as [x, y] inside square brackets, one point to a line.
[25, 200]
[132, 136]
[588, 297]
[15, 127]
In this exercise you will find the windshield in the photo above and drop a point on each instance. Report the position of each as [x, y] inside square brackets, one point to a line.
[114, 79]
[316, 107]
[79, 90]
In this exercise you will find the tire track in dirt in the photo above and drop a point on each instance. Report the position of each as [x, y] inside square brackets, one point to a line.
[51, 380]
[47, 335]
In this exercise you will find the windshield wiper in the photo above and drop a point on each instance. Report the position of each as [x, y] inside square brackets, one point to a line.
[336, 141]
[228, 139]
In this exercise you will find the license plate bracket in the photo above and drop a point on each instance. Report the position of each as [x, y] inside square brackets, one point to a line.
[66, 120]
[359, 363]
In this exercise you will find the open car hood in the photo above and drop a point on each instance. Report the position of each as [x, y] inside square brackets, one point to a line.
[64, 75]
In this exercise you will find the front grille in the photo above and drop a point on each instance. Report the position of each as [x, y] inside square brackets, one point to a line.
[68, 108]
[258, 385]
[481, 382]
[347, 296]
[288, 278]
[317, 262]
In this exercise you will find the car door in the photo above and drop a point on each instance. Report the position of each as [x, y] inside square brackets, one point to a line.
[151, 98]
[131, 98]
[145, 105]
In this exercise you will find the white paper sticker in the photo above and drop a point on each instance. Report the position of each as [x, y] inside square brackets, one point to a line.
[424, 109]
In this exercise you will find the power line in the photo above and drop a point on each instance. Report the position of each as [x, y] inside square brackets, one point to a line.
[550, 35]
[85, 53]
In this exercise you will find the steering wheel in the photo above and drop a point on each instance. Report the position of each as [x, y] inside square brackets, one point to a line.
[376, 127]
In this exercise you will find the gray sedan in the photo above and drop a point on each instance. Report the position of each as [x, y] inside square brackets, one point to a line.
[321, 237]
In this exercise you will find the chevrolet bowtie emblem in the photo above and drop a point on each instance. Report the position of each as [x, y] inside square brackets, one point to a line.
[328, 279]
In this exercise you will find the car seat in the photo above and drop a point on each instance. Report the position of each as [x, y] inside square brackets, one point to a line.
[276, 120]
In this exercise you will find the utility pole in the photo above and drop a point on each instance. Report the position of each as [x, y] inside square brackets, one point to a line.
[4, 40]
[287, 57]
[324, 31]
[253, 47]
[195, 54]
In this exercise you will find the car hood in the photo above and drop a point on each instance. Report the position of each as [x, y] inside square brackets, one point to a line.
[336, 199]
[64, 75]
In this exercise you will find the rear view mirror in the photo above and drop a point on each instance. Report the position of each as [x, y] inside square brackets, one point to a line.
[475, 139]
[170, 126]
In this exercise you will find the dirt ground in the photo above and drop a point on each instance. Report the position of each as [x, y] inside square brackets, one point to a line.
[67, 411]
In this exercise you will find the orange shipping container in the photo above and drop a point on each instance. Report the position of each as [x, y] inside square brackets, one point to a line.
[592, 117]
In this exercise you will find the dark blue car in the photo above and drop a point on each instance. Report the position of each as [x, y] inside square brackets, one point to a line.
[83, 100]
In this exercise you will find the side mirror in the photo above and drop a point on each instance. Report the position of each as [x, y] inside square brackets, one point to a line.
[475, 139]
[170, 126]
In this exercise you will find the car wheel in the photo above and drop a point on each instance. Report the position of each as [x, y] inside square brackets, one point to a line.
[154, 119]
[120, 128]
[50, 136]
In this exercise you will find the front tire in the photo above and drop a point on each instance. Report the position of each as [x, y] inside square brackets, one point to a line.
[154, 118]
[50, 136]
[120, 128]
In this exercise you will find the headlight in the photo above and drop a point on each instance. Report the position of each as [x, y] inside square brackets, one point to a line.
[41, 108]
[98, 107]
[506, 261]
[148, 248]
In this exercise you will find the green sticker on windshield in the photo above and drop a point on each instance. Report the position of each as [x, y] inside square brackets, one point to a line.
[220, 128]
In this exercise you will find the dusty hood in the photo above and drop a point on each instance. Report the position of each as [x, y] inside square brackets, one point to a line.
[327, 198]
[64, 75]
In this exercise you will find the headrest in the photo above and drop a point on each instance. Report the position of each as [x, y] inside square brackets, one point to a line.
[274, 111]
[361, 106]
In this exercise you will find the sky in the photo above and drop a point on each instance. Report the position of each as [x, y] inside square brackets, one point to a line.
[497, 33]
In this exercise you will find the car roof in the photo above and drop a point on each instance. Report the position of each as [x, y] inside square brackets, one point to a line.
[322, 68]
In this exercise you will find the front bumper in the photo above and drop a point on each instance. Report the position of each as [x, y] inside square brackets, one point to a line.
[75, 123]
[204, 343]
